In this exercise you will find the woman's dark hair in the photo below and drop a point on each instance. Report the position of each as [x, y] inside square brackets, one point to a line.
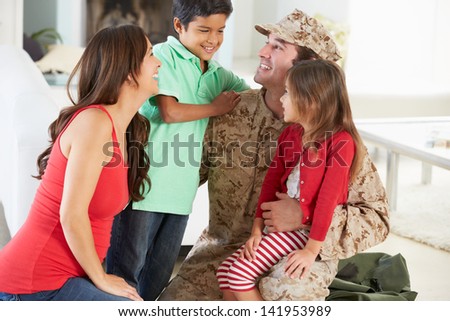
[110, 57]
[188, 10]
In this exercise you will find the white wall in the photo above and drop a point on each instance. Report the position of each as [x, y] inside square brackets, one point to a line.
[67, 17]
[397, 63]
[391, 42]
[70, 21]
[243, 30]
[441, 65]
[336, 10]
[38, 15]
[400, 49]
[398, 58]
[247, 41]
[11, 17]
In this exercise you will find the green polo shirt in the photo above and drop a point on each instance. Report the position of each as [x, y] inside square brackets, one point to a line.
[175, 149]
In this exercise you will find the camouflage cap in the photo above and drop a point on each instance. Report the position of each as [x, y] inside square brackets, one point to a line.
[300, 29]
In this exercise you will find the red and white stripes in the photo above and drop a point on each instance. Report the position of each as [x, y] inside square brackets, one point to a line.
[238, 274]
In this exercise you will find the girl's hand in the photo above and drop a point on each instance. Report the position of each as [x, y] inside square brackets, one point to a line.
[299, 262]
[250, 247]
[118, 286]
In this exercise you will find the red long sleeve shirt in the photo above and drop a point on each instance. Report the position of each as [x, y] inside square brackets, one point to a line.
[324, 176]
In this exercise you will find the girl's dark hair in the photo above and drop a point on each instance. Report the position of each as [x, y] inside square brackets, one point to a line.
[110, 57]
[318, 89]
[188, 10]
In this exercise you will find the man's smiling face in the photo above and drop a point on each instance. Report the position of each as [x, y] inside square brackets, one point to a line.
[275, 59]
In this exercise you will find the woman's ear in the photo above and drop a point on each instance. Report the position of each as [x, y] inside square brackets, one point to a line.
[177, 25]
[130, 81]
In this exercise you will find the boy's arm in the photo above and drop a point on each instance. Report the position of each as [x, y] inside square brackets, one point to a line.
[232, 81]
[172, 111]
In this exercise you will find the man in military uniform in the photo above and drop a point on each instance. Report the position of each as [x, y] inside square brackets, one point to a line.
[239, 147]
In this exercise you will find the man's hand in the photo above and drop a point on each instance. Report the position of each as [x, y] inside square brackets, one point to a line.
[284, 215]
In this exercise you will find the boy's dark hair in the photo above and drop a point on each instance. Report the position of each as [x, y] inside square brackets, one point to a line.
[188, 10]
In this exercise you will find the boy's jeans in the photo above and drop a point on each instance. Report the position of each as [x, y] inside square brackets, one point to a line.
[144, 249]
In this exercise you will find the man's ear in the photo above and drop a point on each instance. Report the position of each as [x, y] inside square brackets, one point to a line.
[177, 25]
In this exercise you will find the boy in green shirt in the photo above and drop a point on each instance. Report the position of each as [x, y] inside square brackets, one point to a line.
[147, 235]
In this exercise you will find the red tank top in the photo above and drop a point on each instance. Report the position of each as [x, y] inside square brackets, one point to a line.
[38, 257]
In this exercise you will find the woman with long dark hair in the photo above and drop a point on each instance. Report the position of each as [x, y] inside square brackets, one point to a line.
[95, 165]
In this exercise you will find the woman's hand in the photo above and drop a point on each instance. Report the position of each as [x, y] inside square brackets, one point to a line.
[115, 285]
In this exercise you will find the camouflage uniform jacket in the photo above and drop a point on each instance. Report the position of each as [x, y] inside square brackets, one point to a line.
[239, 148]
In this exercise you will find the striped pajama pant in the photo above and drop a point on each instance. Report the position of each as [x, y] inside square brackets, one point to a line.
[238, 274]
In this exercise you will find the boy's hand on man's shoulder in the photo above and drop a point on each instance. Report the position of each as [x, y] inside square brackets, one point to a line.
[226, 101]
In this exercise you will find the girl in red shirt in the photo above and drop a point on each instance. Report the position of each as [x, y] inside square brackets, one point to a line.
[95, 164]
[316, 157]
